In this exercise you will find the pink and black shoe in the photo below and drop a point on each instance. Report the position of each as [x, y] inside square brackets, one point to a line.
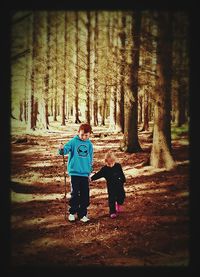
[118, 207]
[113, 215]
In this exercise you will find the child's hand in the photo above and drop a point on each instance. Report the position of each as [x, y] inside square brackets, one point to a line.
[89, 178]
[60, 147]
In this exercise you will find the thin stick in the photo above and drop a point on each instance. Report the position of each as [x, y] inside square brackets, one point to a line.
[65, 186]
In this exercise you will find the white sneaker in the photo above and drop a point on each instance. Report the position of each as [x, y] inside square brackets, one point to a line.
[84, 219]
[71, 217]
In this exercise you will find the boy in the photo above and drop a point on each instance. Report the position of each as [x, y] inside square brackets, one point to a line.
[80, 159]
[115, 178]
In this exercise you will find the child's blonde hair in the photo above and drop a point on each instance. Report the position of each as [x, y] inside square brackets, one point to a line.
[110, 155]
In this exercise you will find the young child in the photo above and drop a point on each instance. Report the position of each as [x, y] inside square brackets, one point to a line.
[79, 166]
[115, 178]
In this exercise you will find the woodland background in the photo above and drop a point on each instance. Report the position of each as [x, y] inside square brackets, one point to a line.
[127, 73]
[124, 67]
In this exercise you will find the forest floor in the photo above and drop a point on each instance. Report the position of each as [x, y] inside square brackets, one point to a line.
[152, 230]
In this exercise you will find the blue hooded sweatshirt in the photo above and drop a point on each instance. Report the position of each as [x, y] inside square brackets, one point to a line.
[80, 156]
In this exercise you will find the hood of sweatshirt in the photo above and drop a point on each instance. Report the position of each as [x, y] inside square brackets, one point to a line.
[80, 157]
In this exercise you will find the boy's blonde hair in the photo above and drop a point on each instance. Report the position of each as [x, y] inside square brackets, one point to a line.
[110, 155]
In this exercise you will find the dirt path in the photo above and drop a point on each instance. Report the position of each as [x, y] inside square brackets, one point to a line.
[152, 230]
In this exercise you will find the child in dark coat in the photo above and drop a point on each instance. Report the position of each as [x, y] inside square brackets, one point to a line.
[115, 179]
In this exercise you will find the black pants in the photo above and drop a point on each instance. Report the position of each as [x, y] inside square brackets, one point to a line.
[116, 193]
[79, 200]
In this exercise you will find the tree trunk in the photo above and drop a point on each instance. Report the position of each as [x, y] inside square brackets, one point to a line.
[55, 106]
[64, 73]
[76, 110]
[180, 116]
[160, 156]
[32, 110]
[25, 110]
[119, 114]
[140, 102]
[112, 46]
[47, 115]
[131, 133]
[28, 69]
[115, 106]
[104, 107]
[20, 110]
[145, 126]
[42, 74]
[35, 114]
[121, 91]
[95, 113]
[32, 114]
[52, 106]
[47, 74]
[112, 110]
[150, 111]
[56, 71]
[96, 59]
[180, 66]
[88, 67]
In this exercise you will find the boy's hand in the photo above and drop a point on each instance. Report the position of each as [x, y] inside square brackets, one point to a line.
[60, 147]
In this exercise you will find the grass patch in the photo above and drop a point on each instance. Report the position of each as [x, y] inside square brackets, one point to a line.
[178, 132]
